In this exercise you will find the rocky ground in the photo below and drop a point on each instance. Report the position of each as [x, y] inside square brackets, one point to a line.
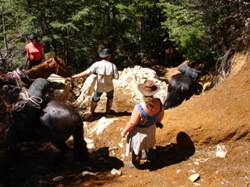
[207, 135]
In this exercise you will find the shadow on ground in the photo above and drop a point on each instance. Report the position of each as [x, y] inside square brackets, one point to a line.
[170, 154]
[36, 169]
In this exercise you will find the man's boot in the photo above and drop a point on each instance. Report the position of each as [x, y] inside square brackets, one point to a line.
[90, 114]
[108, 107]
[92, 107]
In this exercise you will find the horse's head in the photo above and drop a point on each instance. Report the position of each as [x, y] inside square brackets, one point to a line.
[62, 69]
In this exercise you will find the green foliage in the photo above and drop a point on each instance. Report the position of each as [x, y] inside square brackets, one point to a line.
[11, 36]
[76, 30]
[186, 29]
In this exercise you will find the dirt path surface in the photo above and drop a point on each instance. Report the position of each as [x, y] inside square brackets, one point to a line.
[194, 137]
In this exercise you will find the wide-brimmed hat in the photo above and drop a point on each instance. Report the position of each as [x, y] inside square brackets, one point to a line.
[148, 88]
[105, 52]
[32, 36]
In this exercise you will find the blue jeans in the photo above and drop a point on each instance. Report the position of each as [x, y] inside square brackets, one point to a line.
[97, 95]
[33, 63]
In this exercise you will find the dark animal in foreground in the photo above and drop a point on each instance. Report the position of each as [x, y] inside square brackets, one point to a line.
[53, 65]
[181, 87]
[14, 77]
[55, 122]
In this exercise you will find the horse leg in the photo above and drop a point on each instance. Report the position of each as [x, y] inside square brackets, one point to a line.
[80, 145]
[63, 150]
[11, 141]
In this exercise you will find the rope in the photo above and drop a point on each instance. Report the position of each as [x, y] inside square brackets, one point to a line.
[63, 69]
[18, 78]
[33, 99]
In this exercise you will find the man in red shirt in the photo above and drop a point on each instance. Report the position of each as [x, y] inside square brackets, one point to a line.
[34, 52]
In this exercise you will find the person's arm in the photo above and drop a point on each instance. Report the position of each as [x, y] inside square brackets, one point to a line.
[42, 53]
[82, 74]
[134, 120]
[87, 72]
[115, 73]
[160, 117]
[26, 58]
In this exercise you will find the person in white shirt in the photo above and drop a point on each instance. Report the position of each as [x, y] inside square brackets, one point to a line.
[106, 72]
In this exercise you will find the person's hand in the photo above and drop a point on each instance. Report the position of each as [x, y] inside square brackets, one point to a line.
[159, 125]
[123, 134]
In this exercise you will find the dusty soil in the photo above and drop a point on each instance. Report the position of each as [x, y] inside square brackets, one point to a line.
[186, 145]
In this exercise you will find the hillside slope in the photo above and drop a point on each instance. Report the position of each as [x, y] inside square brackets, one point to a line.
[220, 114]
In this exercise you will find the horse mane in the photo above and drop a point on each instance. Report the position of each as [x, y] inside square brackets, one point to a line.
[45, 69]
[41, 70]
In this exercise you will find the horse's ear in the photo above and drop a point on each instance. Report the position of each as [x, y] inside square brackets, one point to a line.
[51, 55]
[57, 60]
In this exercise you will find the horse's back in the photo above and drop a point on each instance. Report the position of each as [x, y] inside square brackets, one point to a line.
[62, 121]
[43, 70]
[185, 81]
[58, 111]
[180, 88]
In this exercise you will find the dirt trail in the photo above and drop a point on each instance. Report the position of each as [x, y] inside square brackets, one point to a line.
[192, 134]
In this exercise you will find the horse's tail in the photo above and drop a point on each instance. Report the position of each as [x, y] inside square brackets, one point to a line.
[80, 145]
[173, 97]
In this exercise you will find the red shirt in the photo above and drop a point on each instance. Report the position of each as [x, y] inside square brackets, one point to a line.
[34, 51]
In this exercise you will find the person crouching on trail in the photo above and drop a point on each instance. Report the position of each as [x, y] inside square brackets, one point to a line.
[105, 72]
[141, 128]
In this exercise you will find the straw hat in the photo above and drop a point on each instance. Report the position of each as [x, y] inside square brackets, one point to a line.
[148, 88]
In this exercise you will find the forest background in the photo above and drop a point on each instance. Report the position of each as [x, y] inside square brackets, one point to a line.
[205, 32]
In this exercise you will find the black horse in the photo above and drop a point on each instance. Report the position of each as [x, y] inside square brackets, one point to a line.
[55, 122]
[181, 87]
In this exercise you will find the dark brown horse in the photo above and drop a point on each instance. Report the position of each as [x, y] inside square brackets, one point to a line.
[53, 65]
[56, 122]
[181, 87]
[170, 55]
